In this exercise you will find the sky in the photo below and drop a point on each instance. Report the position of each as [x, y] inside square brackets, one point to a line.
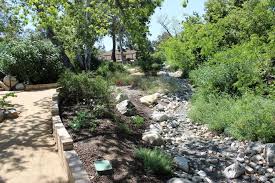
[173, 10]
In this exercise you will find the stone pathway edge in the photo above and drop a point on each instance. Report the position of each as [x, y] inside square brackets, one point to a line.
[64, 144]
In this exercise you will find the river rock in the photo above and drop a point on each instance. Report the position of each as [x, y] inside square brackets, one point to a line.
[152, 138]
[150, 99]
[159, 116]
[10, 81]
[270, 154]
[11, 114]
[182, 163]
[178, 180]
[234, 171]
[126, 108]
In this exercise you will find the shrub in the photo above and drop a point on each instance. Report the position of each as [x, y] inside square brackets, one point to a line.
[138, 120]
[124, 128]
[150, 64]
[152, 84]
[3, 102]
[249, 117]
[84, 87]
[31, 61]
[106, 69]
[155, 160]
[83, 120]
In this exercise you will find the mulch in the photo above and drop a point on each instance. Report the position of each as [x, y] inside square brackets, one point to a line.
[110, 143]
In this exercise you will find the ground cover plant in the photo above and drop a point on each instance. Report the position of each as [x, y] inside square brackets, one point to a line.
[155, 160]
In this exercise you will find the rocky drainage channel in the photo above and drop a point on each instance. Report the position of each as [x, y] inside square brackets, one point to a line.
[199, 155]
[64, 143]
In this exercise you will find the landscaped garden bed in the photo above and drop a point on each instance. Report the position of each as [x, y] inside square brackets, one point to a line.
[101, 132]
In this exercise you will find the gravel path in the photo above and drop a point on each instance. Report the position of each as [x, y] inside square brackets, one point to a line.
[27, 152]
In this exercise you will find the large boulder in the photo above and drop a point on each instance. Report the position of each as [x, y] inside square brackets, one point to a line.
[2, 85]
[19, 86]
[152, 138]
[126, 108]
[10, 81]
[234, 171]
[270, 154]
[150, 99]
[159, 116]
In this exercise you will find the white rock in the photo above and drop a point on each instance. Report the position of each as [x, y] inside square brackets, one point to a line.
[176, 74]
[160, 107]
[178, 180]
[182, 163]
[159, 116]
[234, 171]
[121, 97]
[152, 138]
[150, 99]
[19, 86]
[249, 169]
[156, 127]
[10, 81]
[126, 108]
[201, 173]
[270, 154]
[2, 85]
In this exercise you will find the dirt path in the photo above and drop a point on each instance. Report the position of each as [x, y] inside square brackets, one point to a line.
[27, 152]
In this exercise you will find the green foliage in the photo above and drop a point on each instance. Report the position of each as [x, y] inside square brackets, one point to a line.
[155, 160]
[31, 61]
[3, 100]
[152, 84]
[138, 120]
[83, 120]
[124, 128]
[250, 117]
[84, 87]
[115, 73]
[150, 64]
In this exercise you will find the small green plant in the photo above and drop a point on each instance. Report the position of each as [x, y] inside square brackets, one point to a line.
[155, 160]
[3, 103]
[124, 128]
[80, 121]
[138, 120]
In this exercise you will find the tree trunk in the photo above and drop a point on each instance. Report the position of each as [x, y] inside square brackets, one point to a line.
[121, 49]
[64, 58]
[114, 47]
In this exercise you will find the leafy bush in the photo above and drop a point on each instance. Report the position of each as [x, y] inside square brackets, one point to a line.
[106, 69]
[155, 160]
[31, 61]
[3, 102]
[138, 120]
[84, 87]
[124, 128]
[249, 117]
[152, 84]
[150, 64]
[83, 120]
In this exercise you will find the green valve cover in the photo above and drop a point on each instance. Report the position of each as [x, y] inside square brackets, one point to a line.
[102, 165]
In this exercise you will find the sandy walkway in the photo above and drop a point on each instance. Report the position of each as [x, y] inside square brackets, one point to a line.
[26, 145]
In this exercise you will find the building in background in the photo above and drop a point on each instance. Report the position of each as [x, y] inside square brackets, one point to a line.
[128, 55]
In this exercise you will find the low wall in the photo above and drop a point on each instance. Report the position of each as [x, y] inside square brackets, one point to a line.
[64, 144]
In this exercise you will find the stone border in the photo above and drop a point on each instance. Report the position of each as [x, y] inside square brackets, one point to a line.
[41, 86]
[64, 145]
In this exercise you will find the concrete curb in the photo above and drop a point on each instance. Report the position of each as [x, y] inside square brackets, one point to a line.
[64, 144]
